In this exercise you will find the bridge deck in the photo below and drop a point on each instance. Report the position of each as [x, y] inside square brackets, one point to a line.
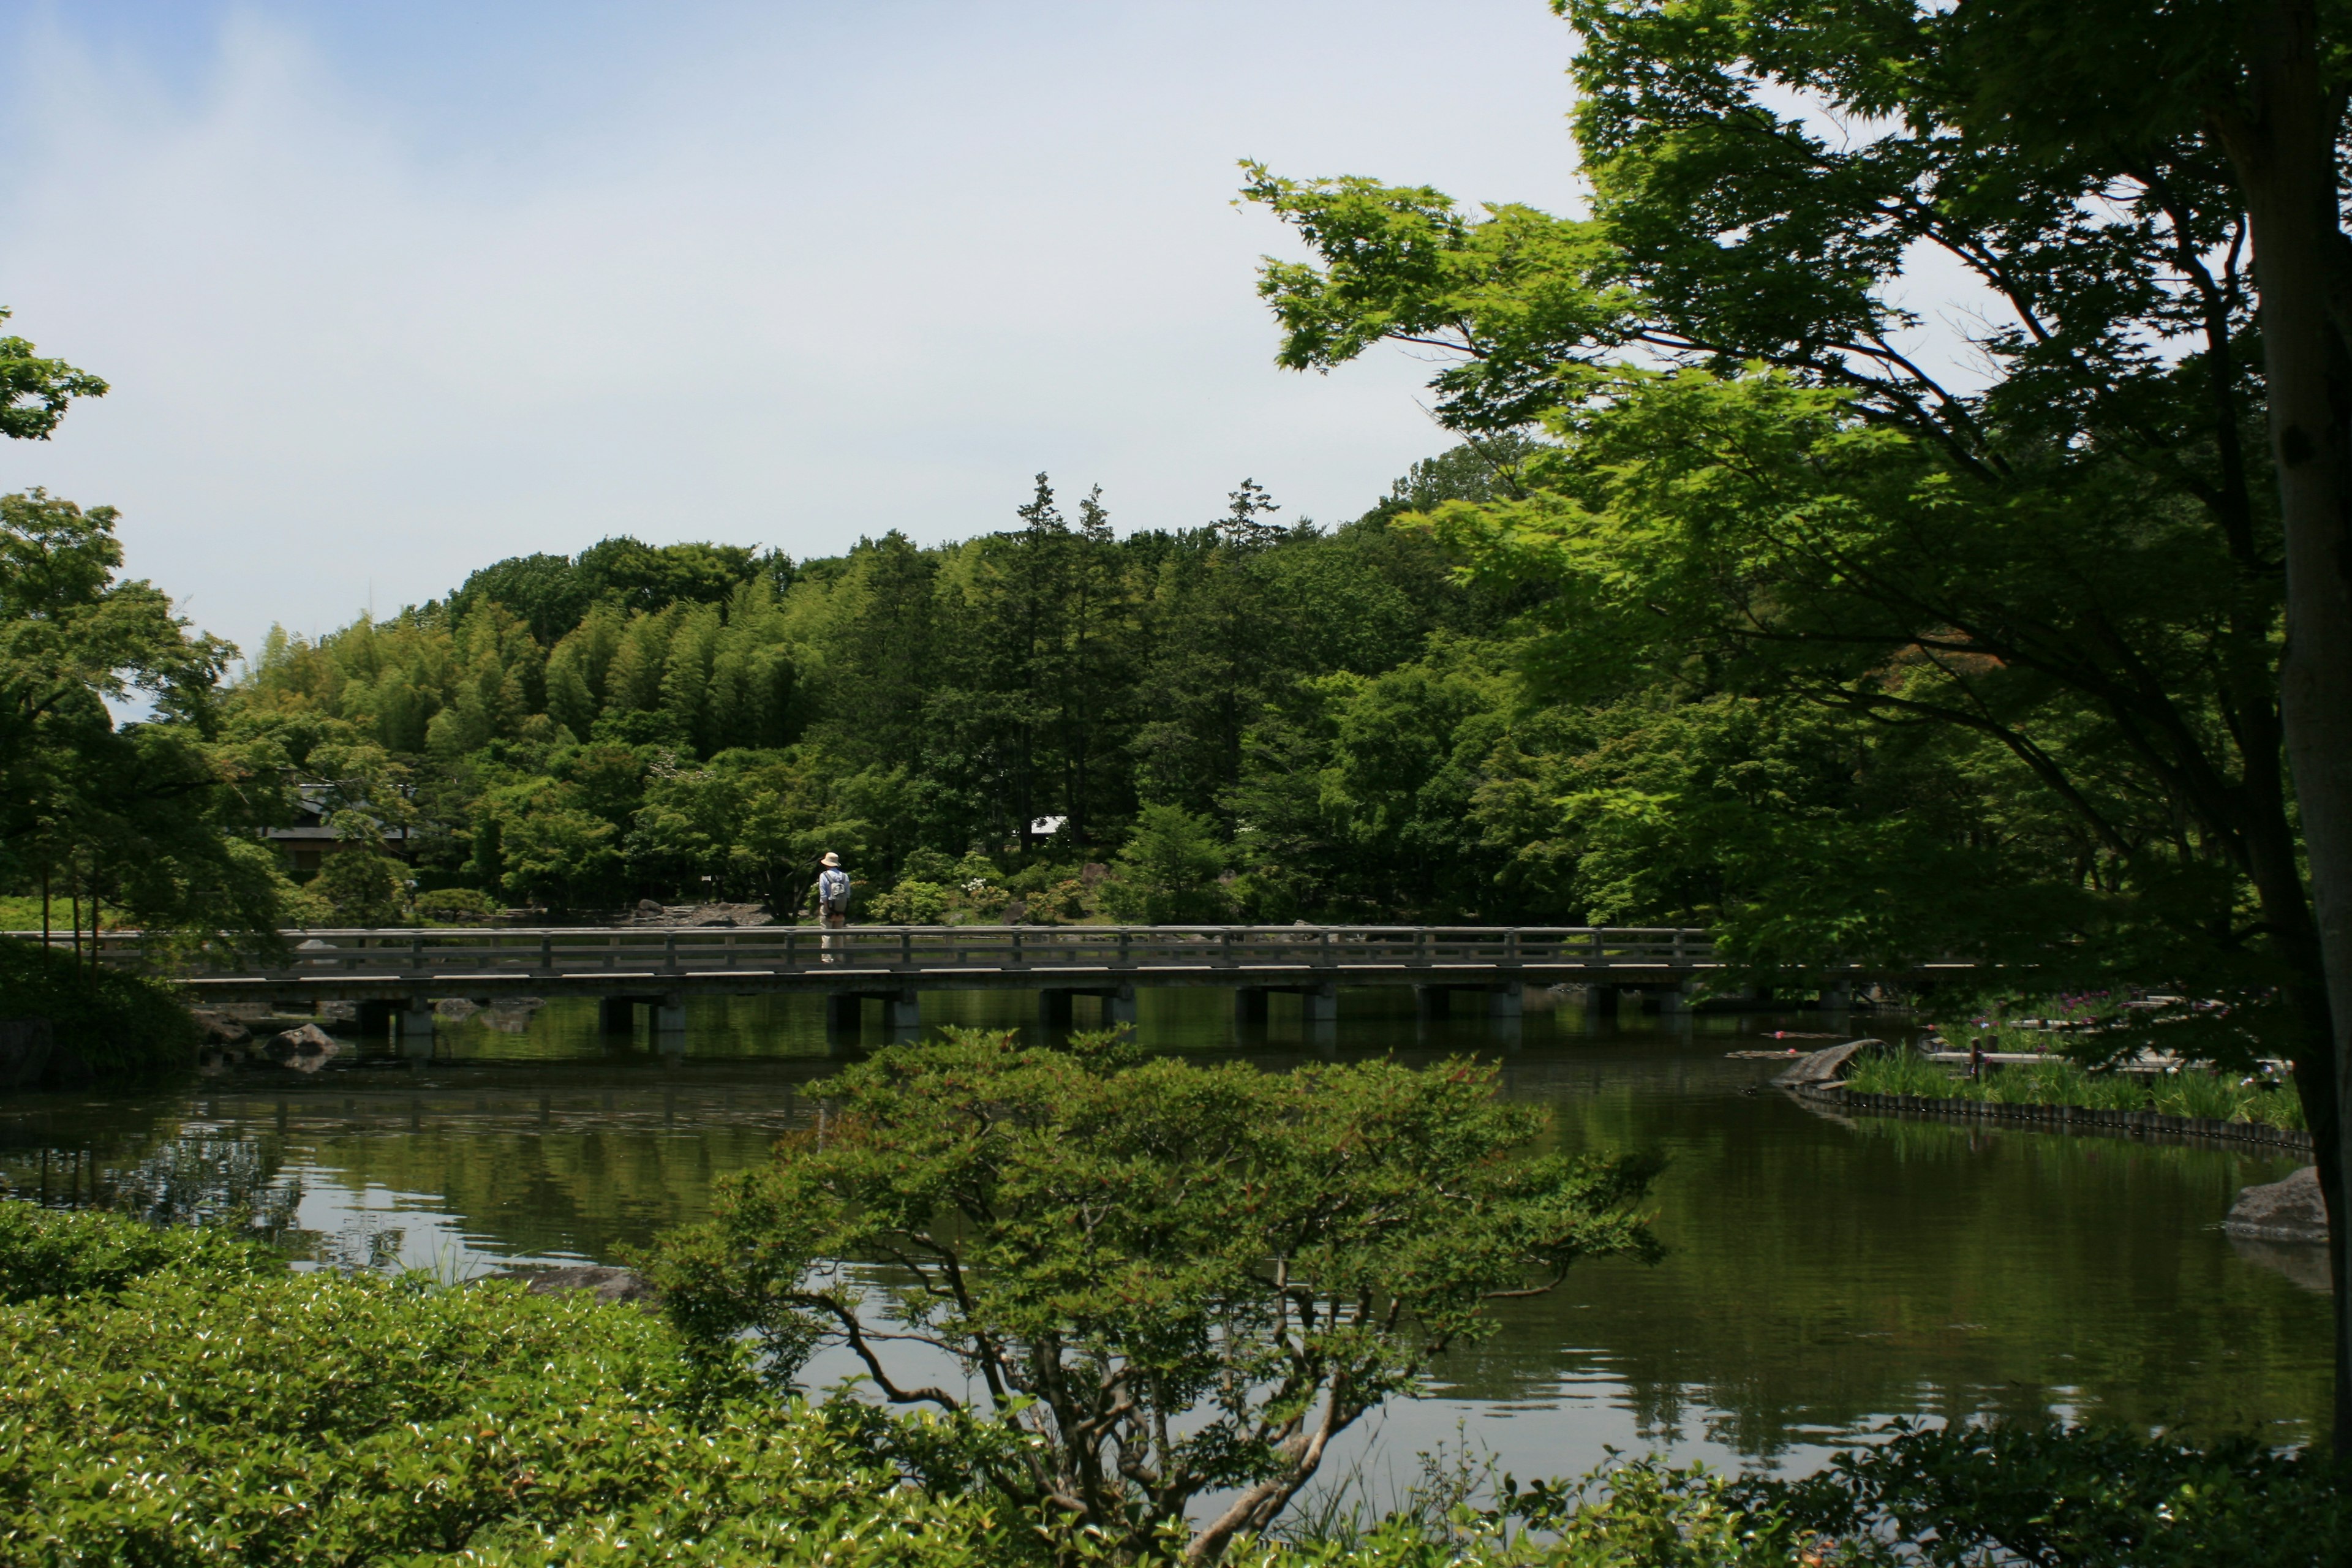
[686, 961]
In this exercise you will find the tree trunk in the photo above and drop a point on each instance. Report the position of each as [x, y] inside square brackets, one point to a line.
[2282, 143]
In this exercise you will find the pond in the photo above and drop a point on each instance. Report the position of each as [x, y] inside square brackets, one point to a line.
[1822, 1275]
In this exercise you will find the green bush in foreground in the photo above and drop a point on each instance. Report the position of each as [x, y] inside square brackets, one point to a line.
[205, 1413]
[176, 1399]
[119, 1023]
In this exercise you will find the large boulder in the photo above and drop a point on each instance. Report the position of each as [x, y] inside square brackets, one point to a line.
[606, 1284]
[305, 1049]
[1825, 1066]
[2290, 1210]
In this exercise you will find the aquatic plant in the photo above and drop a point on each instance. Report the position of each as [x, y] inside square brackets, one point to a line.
[2268, 1098]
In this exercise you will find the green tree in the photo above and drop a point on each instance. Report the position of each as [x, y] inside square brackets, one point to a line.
[363, 887]
[144, 817]
[2084, 559]
[1169, 1279]
[35, 391]
[1167, 873]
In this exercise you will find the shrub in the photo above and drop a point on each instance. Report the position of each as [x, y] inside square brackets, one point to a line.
[2080, 1496]
[198, 1413]
[46, 1253]
[454, 906]
[912, 903]
[120, 1024]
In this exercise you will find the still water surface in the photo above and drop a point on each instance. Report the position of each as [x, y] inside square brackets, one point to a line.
[1822, 1275]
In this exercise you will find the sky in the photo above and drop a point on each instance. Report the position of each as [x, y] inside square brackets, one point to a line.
[387, 291]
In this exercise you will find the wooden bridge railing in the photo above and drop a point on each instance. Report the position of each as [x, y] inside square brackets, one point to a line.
[751, 951]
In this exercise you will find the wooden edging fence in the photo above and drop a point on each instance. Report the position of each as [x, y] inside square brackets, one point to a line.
[2067, 1117]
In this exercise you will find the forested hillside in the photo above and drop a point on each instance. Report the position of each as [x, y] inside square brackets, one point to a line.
[1251, 718]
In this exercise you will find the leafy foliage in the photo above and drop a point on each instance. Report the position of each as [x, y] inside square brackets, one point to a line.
[116, 1023]
[35, 391]
[170, 1401]
[1169, 1279]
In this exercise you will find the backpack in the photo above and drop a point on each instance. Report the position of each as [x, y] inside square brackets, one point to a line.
[832, 891]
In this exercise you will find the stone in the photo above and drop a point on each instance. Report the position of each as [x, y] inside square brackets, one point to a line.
[606, 1284]
[1824, 1066]
[456, 1008]
[306, 1049]
[219, 1027]
[648, 907]
[25, 1047]
[2290, 1210]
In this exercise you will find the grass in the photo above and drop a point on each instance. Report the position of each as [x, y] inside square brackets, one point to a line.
[2054, 1081]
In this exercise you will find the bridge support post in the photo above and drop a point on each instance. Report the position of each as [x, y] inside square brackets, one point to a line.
[1507, 1000]
[669, 1024]
[1120, 1006]
[1431, 1002]
[1675, 1000]
[1249, 1005]
[1054, 1009]
[1318, 1010]
[416, 1029]
[1600, 1004]
[902, 1013]
[616, 1015]
[1837, 996]
[844, 1013]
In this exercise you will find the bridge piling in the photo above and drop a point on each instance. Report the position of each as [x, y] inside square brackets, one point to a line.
[1431, 1002]
[416, 1029]
[1507, 1000]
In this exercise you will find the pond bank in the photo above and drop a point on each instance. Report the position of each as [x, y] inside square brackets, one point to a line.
[2150, 1124]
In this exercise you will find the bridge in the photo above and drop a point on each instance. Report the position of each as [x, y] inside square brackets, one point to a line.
[396, 975]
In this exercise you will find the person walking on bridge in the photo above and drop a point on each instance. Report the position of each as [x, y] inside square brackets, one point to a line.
[832, 894]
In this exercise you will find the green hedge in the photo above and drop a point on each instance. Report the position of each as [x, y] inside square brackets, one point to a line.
[121, 1025]
[210, 1412]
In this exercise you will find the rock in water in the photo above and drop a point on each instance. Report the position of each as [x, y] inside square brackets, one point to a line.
[305, 1049]
[2281, 1211]
[606, 1284]
[1825, 1066]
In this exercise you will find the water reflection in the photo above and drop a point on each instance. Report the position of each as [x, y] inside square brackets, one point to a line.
[1822, 1274]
